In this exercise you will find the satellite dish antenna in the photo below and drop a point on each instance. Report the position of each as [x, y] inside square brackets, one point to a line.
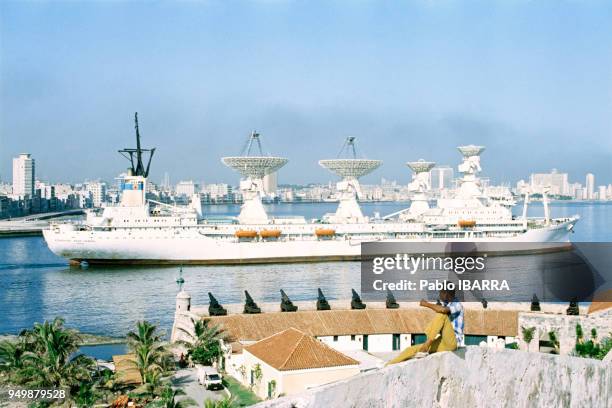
[253, 168]
[470, 167]
[419, 186]
[350, 170]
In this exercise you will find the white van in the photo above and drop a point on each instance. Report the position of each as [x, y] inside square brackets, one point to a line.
[209, 377]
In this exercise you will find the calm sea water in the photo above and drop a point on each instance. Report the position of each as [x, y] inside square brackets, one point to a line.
[36, 285]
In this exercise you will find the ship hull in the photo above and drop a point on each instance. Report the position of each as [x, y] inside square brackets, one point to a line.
[191, 247]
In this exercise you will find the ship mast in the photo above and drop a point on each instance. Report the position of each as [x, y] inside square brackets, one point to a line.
[137, 167]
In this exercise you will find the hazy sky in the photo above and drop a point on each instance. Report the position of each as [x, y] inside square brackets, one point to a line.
[531, 80]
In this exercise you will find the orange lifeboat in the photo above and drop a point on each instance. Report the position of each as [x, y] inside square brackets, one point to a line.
[246, 234]
[466, 223]
[325, 232]
[270, 233]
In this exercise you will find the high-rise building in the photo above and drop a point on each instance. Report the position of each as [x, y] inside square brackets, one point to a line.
[556, 182]
[603, 194]
[98, 193]
[270, 183]
[441, 177]
[23, 175]
[590, 186]
[186, 188]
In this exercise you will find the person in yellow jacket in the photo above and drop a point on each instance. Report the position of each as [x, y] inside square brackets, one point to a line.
[444, 332]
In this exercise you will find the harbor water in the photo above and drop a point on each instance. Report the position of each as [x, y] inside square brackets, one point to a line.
[36, 285]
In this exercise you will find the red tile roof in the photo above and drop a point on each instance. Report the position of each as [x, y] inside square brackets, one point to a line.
[292, 349]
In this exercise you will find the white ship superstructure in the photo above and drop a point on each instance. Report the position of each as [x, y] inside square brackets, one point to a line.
[138, 230]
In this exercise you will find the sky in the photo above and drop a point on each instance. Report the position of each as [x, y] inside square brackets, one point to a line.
[530, 80]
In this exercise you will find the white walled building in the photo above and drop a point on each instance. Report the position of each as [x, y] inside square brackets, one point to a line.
[557, 182]
[603, 193]
[98, 193]
[291, 362]
[24, 174]
[270, 183]
[441, 177]
[217, 191]
[590, 186]
[186, 188]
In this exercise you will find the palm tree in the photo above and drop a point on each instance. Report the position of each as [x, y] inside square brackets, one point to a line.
[150, 353]
[168, 397]
[204, 344]
[227, 402]
[11, 355]
[42, 357]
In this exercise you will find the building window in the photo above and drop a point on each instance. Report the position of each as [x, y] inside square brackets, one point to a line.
[396, 342]
[352, 337]
[472, 340]
[252, 377]
[418, 339]
[335, 338]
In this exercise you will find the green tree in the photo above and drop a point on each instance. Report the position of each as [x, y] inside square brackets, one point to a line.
[48, 360]
[12, 356]
[593, 348]
[150, 352]
[528, 333]
[204, 344]
[227, 402]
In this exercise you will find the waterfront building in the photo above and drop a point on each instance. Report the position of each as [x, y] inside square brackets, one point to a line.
[441, 177]
[557, 182]
[270, 183]
[186, 188]
[219, 192]
[603, 193]
[98, 193]
[290, 362]
[590, 186]
[24, 174]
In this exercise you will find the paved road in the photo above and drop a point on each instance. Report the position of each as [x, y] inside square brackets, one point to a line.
[187, 380]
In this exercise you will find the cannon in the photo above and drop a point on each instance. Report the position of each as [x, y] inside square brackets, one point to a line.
[356, 302]
[573, 309]
[322, 303]
[214, 307]
[286, 303]
[391, 302]
[535, 304]
[250, 307]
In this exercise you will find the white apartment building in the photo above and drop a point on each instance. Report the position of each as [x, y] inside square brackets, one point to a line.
[556, 182]
[98, 193]
[270, 183]
[24, 174]
[603, 193]
[441, 177]
[216, 191]
[590, 186]
[186, 188]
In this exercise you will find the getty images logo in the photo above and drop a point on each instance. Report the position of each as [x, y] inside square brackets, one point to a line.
[412, 264]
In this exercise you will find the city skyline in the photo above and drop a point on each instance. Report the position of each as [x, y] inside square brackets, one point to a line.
[529, 80]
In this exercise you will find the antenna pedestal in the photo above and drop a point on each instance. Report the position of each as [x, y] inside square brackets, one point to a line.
[348, 210]
[252, 210]
[419, 187]
[350, 170]
[470, 183]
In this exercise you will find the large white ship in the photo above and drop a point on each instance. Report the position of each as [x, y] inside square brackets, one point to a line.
[141, 231]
